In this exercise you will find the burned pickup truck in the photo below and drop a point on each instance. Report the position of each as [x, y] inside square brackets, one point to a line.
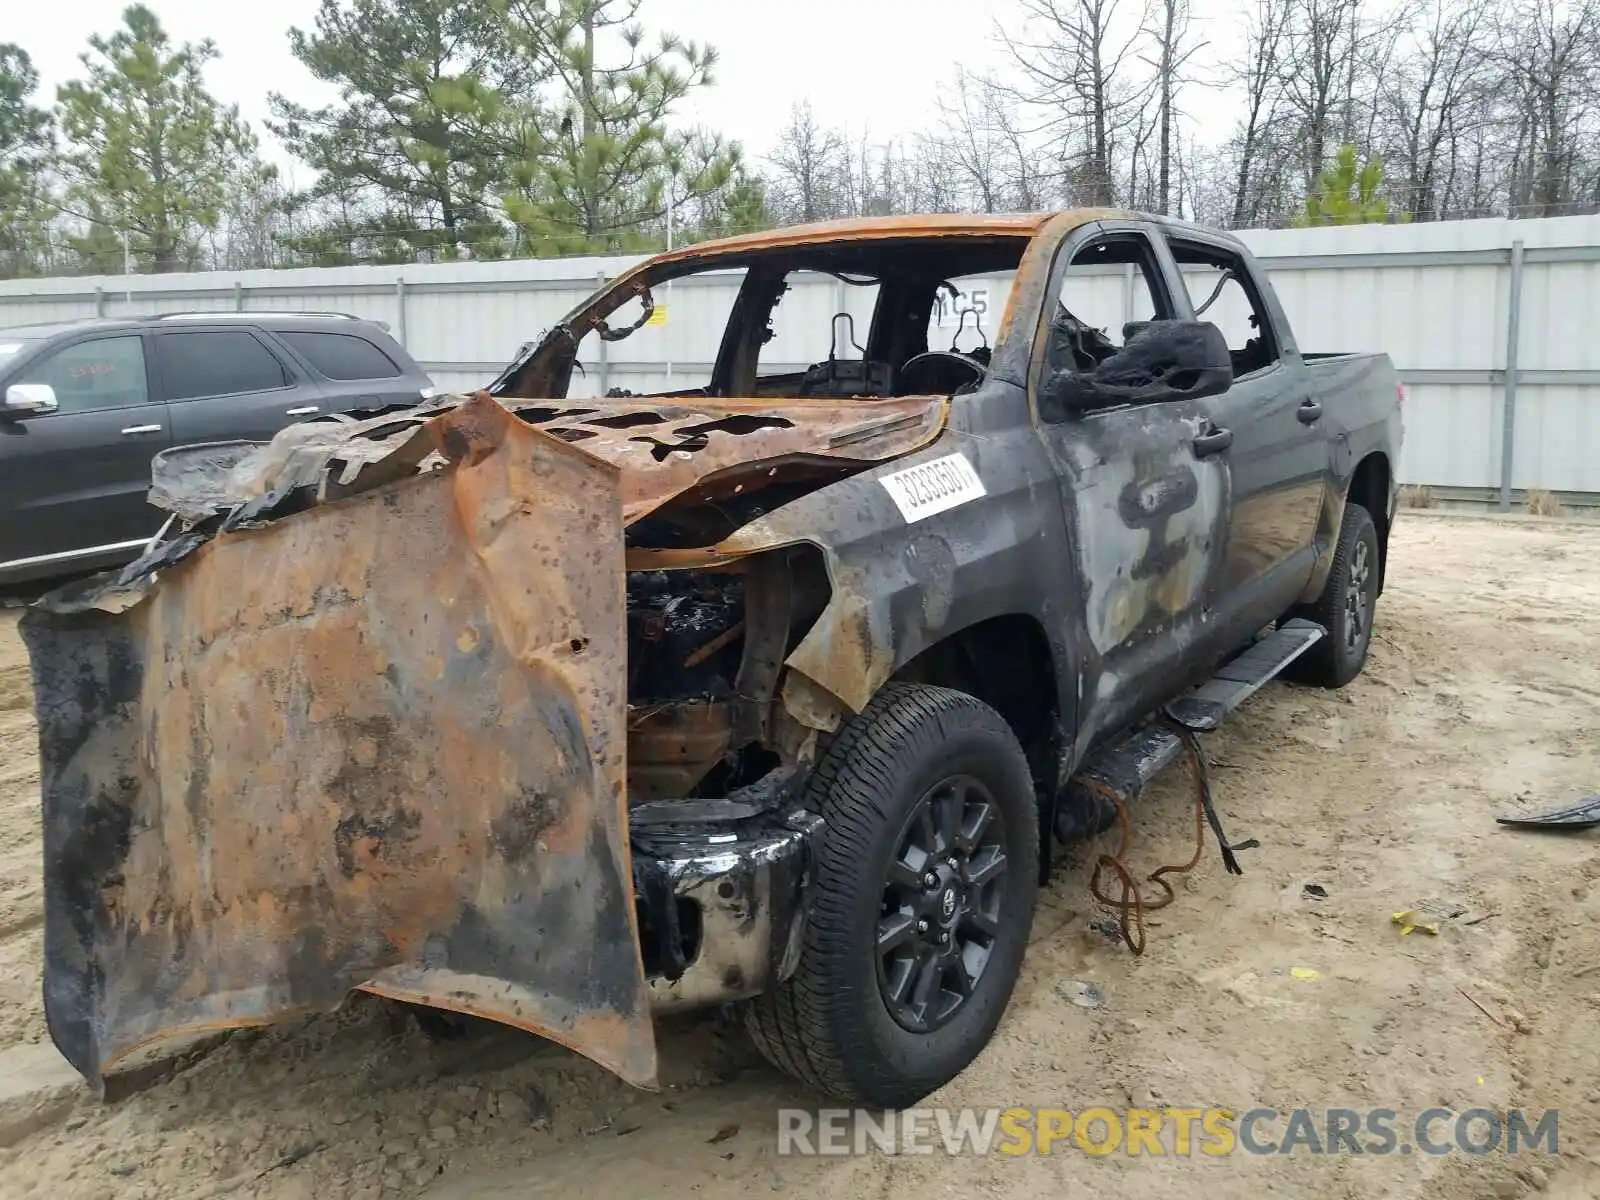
[564, 710]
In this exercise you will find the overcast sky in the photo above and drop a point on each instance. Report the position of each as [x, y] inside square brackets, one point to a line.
[873, 64]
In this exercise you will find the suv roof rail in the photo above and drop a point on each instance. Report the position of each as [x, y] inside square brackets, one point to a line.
[254, 315]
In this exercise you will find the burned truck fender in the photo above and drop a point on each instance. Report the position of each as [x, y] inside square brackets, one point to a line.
[1370, 484]
[903, 582]
[724, 884]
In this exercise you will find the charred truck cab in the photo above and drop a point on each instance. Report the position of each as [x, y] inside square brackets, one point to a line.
[564, 710]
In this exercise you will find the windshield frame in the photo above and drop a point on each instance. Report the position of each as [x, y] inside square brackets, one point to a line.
[543, 369]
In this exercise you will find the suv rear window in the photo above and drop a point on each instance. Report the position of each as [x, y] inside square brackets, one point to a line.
[220, 363]
[342, 355]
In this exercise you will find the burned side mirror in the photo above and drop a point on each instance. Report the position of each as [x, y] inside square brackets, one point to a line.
[1163, 361]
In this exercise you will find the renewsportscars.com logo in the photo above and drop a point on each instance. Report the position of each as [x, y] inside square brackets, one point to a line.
[1162, 1132]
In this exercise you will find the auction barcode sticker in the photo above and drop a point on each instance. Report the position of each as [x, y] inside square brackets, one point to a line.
[933, 487]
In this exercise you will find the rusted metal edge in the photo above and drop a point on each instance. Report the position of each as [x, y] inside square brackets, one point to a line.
[203, 747]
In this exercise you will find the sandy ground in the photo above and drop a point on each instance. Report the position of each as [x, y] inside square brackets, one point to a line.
[1483, 688]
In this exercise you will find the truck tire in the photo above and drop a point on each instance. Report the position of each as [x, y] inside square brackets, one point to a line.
[921, 901]
[1345, 608]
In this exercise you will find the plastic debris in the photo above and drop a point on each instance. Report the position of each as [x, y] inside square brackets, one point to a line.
[1411, 920]
[1583, 815]
[1082, 993]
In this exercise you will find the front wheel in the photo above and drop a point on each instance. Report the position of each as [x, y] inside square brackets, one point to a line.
[925, 877]
[1345, 608]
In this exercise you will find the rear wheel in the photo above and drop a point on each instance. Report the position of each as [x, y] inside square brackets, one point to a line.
[1345, 608]
[925, 878]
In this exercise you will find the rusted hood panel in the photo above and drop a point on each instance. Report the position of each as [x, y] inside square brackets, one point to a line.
[662, 446]
[378, 744]
[666, 447]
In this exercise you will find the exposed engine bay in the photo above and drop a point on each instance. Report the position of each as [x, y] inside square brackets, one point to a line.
[683, 629]
[716, 768]
[704, 655]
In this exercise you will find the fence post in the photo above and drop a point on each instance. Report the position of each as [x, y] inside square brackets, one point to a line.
[99, 302]
[1508, 424]
[400, 311]
[1127, 293]
[605, 354]
[238, 296]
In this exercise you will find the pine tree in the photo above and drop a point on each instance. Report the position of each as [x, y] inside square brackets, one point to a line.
[597, 162]
[26, 145]
[740, 207]
[149, 150]
[1346, 192]
[417, 138]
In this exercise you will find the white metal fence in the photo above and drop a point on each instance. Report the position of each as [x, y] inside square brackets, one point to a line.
[1495, 326]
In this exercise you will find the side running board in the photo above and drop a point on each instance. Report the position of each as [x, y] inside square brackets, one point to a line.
[1126, 767]
[1240, 678]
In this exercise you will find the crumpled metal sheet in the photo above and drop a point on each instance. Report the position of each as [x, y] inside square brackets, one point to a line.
[379, 745]
[362, 725]
[188, 481]
[212, 478]
[666, 449]
[663, 447]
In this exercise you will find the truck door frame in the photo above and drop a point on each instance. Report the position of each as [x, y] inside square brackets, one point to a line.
[1147, 520]
[1278, 463]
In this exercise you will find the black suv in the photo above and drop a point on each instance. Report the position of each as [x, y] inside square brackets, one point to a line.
[85, 406]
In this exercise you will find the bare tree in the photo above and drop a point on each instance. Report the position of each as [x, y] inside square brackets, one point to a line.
[1552, 51]
[986, 148]
[1438, 74]
[255, 223]
[1472, 106]
[1137, 185]
[933, 181]
[1377, 49]
[970, 144]
[1168, 25]
[1075, 63]
[1260, 76]
[808, 166]
[856, 178]
[1317, 71]
[1027, 177]
[893, 180]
